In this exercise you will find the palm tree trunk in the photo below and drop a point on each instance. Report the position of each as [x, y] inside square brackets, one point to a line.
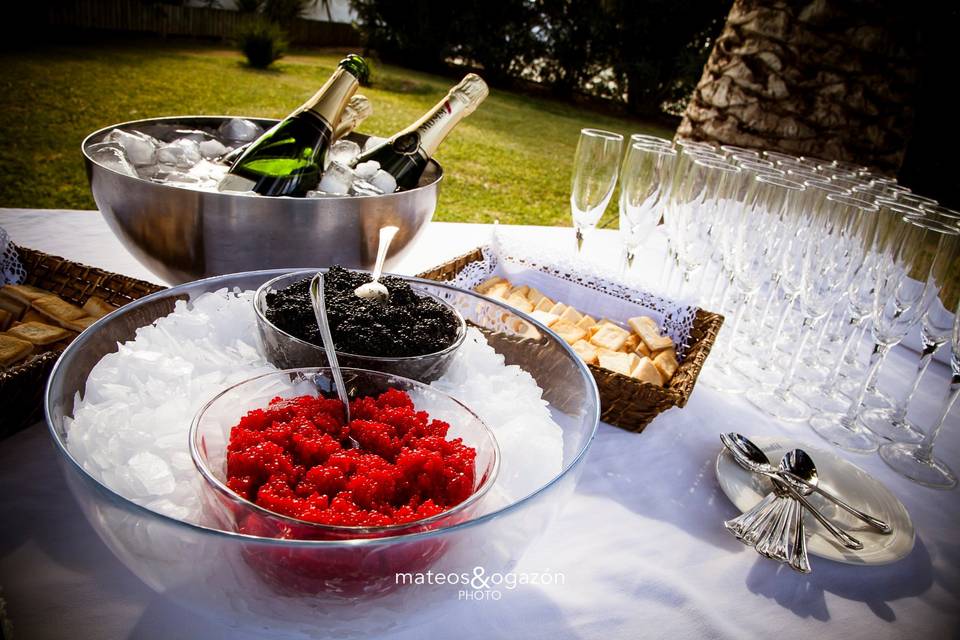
[826, 78]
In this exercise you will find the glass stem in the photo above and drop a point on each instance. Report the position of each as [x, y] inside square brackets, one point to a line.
[781, 321]
[820, 336]
[925, 450]
[737, 321]
[852, 359]
[775, 286]
[806, 330]
[877, 356]
[853, 324]
[926, 357]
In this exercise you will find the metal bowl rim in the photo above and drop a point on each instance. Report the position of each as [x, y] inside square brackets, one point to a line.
[79, 341]
[87, 141]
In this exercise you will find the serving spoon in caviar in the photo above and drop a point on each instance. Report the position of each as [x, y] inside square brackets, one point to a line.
[320, 310]
[374, 290]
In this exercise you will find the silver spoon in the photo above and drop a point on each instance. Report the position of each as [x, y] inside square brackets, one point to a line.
[374, 290]
[796, 463]
[808, 478]
[751, 458]
[320, 311]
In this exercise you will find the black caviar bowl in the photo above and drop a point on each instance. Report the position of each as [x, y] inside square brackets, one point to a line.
[286, 351]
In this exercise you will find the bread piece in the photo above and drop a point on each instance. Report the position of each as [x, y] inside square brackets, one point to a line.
[570, 333]
[499, 290]
[586, 322]
[633, 340]
[645, 371]
[534, 296]
[483, 287]
[666, 363]
[6, 319]
[521, 291]
[545, 304]
[609, 336]
[13, 350]
[38, 333]
[571, 315]
[57, 309]
[517, 301]
[643, 350]
[586, 351]
[97, 307]
[23, 292]
[545, 317]
[80, 324]
[614, 361]
[13, 306]
[558, 308]
[649, 332]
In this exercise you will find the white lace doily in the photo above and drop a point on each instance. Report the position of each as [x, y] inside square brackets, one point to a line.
[11, 271]
[587, 288]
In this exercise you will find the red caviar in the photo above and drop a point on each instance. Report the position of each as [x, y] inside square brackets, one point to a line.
[292, 459]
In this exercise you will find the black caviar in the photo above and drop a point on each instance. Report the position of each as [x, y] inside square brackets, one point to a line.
[406, 325]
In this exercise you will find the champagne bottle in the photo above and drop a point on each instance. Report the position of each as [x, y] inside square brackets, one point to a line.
[287, 159]
[356, 111]
[405, 155]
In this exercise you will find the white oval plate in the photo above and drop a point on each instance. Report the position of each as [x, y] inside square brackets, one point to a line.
[843, 479]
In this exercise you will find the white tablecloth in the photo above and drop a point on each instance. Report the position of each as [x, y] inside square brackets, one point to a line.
[641, 544]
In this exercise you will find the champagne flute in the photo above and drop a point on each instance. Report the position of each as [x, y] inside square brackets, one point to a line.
[916, 461]
[905, 269]
[595, 168]
[646, 178]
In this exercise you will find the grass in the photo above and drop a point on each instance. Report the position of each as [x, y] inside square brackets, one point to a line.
[510, 160]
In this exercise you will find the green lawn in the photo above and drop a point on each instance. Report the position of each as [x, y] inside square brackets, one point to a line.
[511, 159]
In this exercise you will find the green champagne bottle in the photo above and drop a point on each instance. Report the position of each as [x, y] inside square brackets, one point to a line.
[287, 160]
[405, 155]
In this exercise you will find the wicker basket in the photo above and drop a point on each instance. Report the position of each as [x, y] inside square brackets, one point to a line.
[625, 401]
[21, 387]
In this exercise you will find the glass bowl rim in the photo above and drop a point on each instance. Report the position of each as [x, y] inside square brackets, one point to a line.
[261, 292]
[207, 474]
[135, 508]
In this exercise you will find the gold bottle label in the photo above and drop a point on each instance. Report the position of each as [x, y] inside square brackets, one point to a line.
[432, 128]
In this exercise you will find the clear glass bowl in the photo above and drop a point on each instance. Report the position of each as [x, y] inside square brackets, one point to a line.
[344, 570]
[289, 352]
[205, 569]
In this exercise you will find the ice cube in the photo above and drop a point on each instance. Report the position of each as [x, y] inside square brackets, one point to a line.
[211, 149]
[193, 134]
[153, 474]
[336, 180]
[317, 194]
[240, 130]
[111, 156]
[384, 181]
[183, 153]
[364, 188]
[366, 170]
[372, 142]
[343, 151]
[207, 173]
[140, 148]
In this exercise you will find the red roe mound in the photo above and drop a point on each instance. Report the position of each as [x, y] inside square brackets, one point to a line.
[291, 458]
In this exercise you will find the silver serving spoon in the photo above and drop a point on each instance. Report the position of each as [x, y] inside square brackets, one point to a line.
[751, 458]
[808, 478]
[374, 290]
[798, 463]
[320, 311]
